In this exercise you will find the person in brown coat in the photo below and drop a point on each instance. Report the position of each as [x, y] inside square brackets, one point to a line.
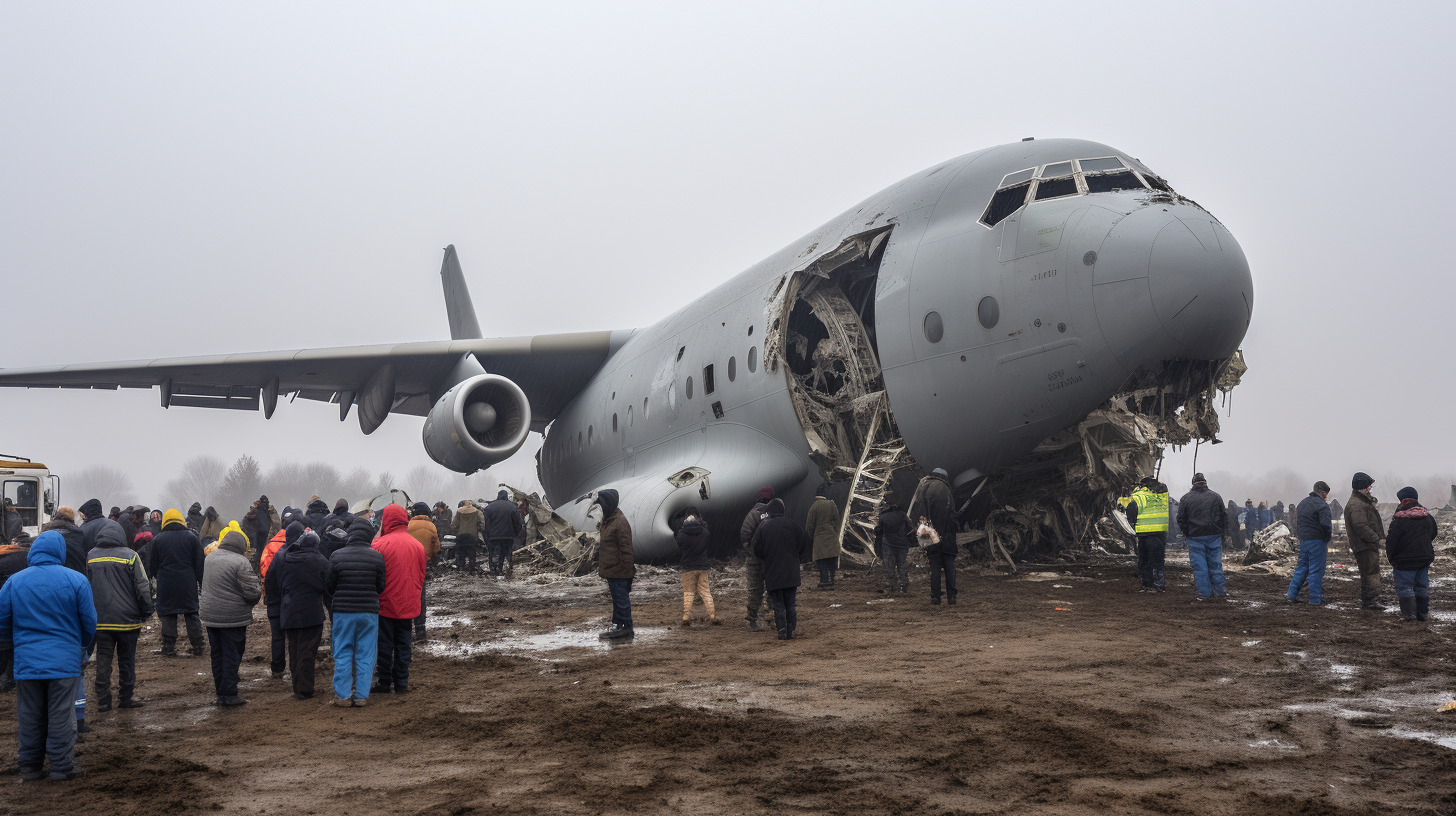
[615, 564]
[422, 527]
[1367, 536]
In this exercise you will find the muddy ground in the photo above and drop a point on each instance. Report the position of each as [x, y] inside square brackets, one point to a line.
[1060, 690]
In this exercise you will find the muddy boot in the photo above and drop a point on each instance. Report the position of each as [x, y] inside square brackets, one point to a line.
[1408, 609]
[754, 625]
[621, 633]
[612, 634]
[1423, 608]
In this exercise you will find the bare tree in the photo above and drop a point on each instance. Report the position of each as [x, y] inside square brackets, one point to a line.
[113, 487]
[201, 481]
[243, 484]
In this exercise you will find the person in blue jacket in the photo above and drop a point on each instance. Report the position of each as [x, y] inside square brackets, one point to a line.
[48, 614]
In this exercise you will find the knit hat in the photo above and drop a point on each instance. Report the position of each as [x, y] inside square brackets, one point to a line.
[292, 532]
[1361, 481]
[822, 491]
[764, 494]
[91, 509]
[1321, 487]
[341, 506]
[1408, 493]
[1199, 480]
[420, 509]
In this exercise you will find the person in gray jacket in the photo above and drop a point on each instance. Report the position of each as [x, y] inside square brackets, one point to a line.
[123, 598]
[229, 592]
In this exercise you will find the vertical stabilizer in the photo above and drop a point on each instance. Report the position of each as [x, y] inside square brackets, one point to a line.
[463, 324]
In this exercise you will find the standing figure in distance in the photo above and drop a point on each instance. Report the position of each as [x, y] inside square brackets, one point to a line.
[822, 525]
[1315, 531]
[615, 564]
[1409, 548]
[1367, 535]
[934, 501]
[782, 545]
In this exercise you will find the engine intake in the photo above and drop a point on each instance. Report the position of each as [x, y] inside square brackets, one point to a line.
[479, 422]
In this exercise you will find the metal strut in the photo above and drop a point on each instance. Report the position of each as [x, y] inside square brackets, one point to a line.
[868, 486]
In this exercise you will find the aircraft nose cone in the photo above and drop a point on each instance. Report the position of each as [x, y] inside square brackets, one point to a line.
[1171, 283]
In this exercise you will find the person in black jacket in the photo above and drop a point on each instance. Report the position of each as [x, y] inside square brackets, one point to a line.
[91, 521]
[1315, 531]
[194, 518]
[174, 559]
[892, 541]
[503, 525]
[356, 577]
[1203, 518]
[934, 502]
[14, 524]
[782, 545]
[692, 543]
[335, 529]
[123, 599]
[315, 515]
[1408, 546]
[299, 577]
[63, 522]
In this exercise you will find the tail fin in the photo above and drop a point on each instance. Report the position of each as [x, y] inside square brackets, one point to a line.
[463, 324]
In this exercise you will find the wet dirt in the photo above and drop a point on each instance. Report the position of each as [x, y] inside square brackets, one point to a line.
[1063, 690]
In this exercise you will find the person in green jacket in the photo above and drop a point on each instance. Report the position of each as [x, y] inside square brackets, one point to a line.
[822, 525]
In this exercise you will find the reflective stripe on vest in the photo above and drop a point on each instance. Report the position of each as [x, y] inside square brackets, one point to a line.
[1152, 511]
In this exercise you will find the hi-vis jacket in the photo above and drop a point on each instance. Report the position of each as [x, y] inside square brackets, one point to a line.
[1148, 511]
[119, 583]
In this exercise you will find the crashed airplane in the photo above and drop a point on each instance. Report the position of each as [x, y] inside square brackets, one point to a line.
[1039, 319]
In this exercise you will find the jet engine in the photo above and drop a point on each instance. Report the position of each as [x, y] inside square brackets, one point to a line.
[479, 422]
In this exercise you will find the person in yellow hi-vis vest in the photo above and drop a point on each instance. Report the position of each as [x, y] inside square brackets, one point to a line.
[1147, 512]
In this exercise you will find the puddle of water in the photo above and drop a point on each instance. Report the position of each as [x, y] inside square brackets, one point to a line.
[1344, 672]
[438, 621]
[1273, 743]
[1300, 655]
[515, 641]
[1253, 642]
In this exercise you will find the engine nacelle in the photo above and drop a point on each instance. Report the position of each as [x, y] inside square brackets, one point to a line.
[478, 423]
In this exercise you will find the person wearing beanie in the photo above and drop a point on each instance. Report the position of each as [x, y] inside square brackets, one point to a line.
[752, 565]
[422, 527]
[90, 518]
[272, 600]
[503, 525]
[1367, 535]
[615, 563]
[230, 590]
[1203, 518]
[468, 527]
[1409, 547]
[356, 579]
[822, 525]
[115, 514]
[175, 560]
[1314, 528]
[782, 545]
[335, 528]
[934, 502]
[1147, 512]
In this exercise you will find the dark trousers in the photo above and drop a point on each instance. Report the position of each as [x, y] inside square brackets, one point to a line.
[227, 655]
[500, 555]
[123, 645]
[621, 589]
[169, 632]
[278, 654]
[896, 568]
[465, 551]
[7, 666]
[1369, 561]
[1152, 549]
[785, 607]
[827, 568]
[420, 621]
[753, 569]
[942, 562]
[303, 647]
[47, 717]
[393, 661]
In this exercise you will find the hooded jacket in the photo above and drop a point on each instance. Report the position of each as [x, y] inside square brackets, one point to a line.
[692, 542]
[280, 543]
[194, 518]
[119, 585]
[404, 566]
[1412, 529]
[315, 515]
[335, 531]
[356, 573]
[614, 558]
[822, 526]
[1201, 512]
[502, 519]
[229, 586]
[894, 529]
[212, 525]
[1362, 522]
[782, 545]
[423, 530]
[75, 543]
[270, 550]
[467, 523]
[299, 579]
[1313, 517]
[47, 612]
[935, 500]
[174, 558]
[751, 520]
[12, 560]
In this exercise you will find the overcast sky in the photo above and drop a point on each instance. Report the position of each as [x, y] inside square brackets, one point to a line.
[181, 179]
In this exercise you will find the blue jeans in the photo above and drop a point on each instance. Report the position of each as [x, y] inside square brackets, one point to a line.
[46, 710]
[356, 646]
[621, 589]
[1412, 583]
[1205, 556]
[1311, 567]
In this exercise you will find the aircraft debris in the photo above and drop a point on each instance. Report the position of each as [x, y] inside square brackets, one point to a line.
[552, 544]
[1272, 543]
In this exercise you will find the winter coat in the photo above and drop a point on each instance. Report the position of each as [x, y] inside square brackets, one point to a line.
[300, 580]
[119, 585]
[1362, 522]
[423, 529]
[935, 500]
[1201, 513]
[315, 515]
[692, 542]
[751, 520]
[404, 566]
[1314, 519]
[75, 543]
[211, 526]
[270, 551]
[442, 518]
[175, 560]
[93, 526]
[229, 586]
[14, 525]
[468, 523]
[335, 532]
[195, 519]
[782, 545]
[47, 613]
[1408, 545]
[356, 573]
[12, 560]
[614, 558]
[502, 520]
[1265, 517]
[274, 522]
[822, 527]
[128, 526]
[894, 529]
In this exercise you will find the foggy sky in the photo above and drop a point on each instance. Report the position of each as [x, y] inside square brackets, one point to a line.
[180, 179]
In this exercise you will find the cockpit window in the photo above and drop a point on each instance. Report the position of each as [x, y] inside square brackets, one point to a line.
[1006, 201]
[1056, 188]
[1058, 169]
[1018, 177]
[1157, 183]
[1098, 165]
[1103, 174]
[1112, 182]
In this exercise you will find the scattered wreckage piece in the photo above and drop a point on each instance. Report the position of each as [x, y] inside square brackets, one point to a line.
[552, 544]
[1271, 543]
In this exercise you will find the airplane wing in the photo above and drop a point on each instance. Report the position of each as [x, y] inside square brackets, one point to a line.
[550, 368]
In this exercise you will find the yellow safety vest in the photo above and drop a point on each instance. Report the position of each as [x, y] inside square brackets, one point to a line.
[1152, 511]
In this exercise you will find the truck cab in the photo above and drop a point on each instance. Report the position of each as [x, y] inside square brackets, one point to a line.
[30, 490]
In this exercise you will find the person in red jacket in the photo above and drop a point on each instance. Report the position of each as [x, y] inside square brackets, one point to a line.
[399, 603]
